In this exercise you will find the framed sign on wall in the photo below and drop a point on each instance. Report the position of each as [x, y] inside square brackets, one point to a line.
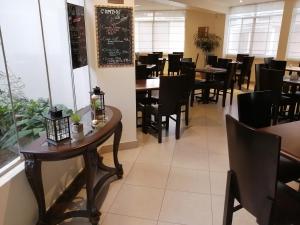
[77, 35]
[114, 36]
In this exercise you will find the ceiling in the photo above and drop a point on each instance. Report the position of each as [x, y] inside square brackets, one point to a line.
[220, 6]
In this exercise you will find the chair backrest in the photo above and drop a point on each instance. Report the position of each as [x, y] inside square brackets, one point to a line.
[186, 60]
[270, 79]
[188, 70]
[153, 58]
[258, 67]
[143, 59]
[141, 72]
[186, 66]
[174, 62]
[223, 62]
[277, 65]
[179, 53]
[255, 108]
[268, 60]
[240, 57]
[160, 54]
[246, 66]
[253, 160]
[171, 92]
[231, 71]
[212, 60]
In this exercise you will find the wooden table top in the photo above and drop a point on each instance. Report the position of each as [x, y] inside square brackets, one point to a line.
[290, 139]
[293, 68]
[211, 70]
[148, 84]
[40, 147]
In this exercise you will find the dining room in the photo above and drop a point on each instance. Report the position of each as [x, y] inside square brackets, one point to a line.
[150, 112]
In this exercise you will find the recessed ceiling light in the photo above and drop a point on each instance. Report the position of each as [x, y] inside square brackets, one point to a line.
[241, 1]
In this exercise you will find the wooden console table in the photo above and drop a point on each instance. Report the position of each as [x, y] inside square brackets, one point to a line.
[95, 174]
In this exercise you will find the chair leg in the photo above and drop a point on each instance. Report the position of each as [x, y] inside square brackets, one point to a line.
[178, 118]
[229, 201]
[167, 122]
[187, 109]
[192, 98]
[159, 127]
[248, 83]
[224, 97]
[217, 95]
[231, 93]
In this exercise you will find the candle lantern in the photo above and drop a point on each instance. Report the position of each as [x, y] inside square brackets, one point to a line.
[97, 105]
[57, 126]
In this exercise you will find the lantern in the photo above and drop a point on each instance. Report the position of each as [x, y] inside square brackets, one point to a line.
[97, 105]
[57, 126]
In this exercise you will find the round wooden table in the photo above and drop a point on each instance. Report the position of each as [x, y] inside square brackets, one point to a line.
[95, 174]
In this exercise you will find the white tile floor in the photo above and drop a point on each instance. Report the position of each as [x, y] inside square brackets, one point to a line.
[177, 182]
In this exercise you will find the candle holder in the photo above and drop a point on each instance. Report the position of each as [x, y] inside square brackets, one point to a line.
[97, 106]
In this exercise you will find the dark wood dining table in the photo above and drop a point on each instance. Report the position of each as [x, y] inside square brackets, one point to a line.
[290, 139]
[147, 84]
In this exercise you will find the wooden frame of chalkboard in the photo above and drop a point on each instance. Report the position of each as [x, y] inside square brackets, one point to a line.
[114, 42]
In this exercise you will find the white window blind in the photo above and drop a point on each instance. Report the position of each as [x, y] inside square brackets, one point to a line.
[255, 29]
[159, 31]
[293, 50]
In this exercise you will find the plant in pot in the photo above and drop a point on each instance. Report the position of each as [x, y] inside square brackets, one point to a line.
[207, 44]
[77, 126]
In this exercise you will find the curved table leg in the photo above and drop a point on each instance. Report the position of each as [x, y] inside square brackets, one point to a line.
[117, 138]
[34, 177]
[91, 165]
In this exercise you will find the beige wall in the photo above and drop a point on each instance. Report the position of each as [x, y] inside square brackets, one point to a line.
[195, 19]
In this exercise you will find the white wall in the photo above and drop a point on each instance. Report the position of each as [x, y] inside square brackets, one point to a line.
[117, 83]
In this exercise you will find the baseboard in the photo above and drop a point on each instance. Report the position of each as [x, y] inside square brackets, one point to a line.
[123, 146]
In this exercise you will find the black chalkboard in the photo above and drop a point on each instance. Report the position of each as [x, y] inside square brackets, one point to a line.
[77, 35]
[114, 36]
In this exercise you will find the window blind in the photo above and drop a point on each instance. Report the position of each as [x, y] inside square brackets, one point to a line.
[159, 31]
[293, 49]
[254, 29]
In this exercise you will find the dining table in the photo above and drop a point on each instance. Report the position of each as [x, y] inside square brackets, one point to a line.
[292, 68]
[290, 141]
[147, 84]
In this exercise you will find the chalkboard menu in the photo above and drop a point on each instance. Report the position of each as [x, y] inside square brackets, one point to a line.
[77, 35]
[114, 36]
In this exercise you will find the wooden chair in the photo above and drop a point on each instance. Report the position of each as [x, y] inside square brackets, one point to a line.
[160, 54]
[252, 178]
[240, 57]
[174, 64]
[255, 110]
[171, 92]
[267, 61]
[245, 72]
[179, 53]
[212, 60]
[226, 83]
[223, 63]
[277, 65]
[143, 59]
[270, 79]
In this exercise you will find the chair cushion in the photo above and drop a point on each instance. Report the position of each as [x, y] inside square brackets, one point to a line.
[288, 170]
[287, 206]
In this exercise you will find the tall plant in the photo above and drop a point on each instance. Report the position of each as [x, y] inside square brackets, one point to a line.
[208, 43]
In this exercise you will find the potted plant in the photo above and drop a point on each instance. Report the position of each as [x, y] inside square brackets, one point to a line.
[207, 43]
[77, 127]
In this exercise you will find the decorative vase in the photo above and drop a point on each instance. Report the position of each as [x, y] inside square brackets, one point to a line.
[77, 131]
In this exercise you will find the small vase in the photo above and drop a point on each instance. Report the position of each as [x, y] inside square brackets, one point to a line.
[77, 131]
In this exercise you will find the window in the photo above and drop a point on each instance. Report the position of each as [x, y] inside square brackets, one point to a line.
[159, 31]
[254, 29]
[293, 50]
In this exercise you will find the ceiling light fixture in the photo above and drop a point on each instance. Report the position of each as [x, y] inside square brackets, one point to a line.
[241, 1]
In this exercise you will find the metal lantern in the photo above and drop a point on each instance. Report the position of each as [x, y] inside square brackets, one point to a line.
[97, 104]
[57, 126]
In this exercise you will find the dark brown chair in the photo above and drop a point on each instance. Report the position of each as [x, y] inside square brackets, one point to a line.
[267, 61]
[245, 71]
[240, 57]
[252, 178]
[174, 64]
[277, 65]
[179, 53]
[270, 79]
[223, 63]
[226, 83]
[255, 110]
[143, 59]
[141, 72]
[160, 54]
[212, 60]
[171, 92]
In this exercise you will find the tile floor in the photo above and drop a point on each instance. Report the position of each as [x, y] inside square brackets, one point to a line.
[177, 182]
